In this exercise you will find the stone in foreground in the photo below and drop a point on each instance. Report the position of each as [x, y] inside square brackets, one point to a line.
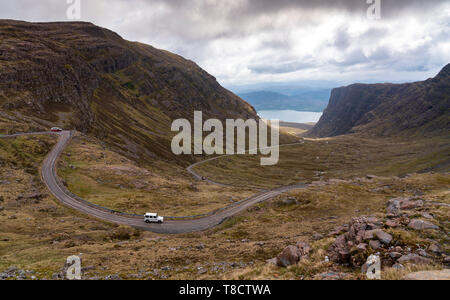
[429, 275]
[421, 225]
[288, 257]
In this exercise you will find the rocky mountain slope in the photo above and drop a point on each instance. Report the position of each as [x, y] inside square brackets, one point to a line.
[419, 108]
[80, 76]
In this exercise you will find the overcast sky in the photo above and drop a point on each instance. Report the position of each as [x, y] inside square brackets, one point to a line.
[258, 41]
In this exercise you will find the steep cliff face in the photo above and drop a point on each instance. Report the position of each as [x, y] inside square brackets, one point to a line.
[84, 77]
[419, 108]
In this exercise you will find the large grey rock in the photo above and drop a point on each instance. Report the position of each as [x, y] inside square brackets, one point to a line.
[415, 259]
[395, 255]
[421, 225]
[435, 248]
[394, 206]
[375, 245]
[429, 275]
[384, 237]
[397, 204]
[291, 255]
[288, 257]
[409, 204]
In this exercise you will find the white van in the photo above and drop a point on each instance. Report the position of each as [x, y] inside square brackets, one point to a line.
[153, 218]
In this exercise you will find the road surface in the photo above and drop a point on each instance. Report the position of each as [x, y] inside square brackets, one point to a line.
[48, 173]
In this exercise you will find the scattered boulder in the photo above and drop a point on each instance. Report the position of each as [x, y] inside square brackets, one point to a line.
[395, 255]
[394, 206]
[423, 253]
[427, 215]
[392, 224]
[338, 251]
[397, 204]
[291, 255]
[421, 225]
[435, 248]
[429, 275]
[339, 230]
[303, 249]
[415, 259]
[289, 201]
[31, 198]
[113, 277]
[409, 204]
[398, 249]
[375, 245]
[361, 247]
[384, 237]
[15, 273]
[398, 267]
[288, 257]
[317, 236]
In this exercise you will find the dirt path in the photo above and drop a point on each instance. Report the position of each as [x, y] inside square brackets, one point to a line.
[48, 173]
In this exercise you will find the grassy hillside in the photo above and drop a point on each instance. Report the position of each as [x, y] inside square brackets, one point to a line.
[340, 157]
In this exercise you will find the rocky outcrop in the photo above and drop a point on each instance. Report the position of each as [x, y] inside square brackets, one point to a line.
[364, 236]
[388, 109]
[351, 246]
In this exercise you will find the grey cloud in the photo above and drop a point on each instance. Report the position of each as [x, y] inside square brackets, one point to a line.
[354, 57]
[280, 68]
[250, 8]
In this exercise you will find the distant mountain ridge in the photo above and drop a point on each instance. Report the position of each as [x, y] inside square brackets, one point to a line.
[418, 108]
[302, 100]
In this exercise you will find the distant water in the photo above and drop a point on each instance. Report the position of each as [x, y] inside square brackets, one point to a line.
[290, 116]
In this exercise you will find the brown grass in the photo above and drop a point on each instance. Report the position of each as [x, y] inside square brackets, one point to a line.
[41, 235]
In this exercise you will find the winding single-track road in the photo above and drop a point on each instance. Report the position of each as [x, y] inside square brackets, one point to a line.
[50, 178]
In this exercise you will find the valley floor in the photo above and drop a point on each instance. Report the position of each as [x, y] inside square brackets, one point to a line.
[38, 234]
